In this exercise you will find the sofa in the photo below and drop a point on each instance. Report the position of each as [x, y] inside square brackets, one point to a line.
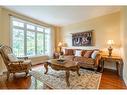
[85, 58]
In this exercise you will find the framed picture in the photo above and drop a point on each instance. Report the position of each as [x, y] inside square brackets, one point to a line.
[82, 38]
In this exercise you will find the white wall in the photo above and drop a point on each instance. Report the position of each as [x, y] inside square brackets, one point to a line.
[2, 66]
[124, 41]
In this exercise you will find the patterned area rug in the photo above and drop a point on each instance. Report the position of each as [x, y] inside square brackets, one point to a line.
[56, 79]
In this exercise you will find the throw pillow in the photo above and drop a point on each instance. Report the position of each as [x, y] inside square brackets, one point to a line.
[12, 57]
[78, 53]
[83, 52]
[94, 54]
[88, 53]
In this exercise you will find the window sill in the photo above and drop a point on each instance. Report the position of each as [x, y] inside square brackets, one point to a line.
[37, 56]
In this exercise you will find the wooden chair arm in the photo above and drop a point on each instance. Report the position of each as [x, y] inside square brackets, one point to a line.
[17, 61]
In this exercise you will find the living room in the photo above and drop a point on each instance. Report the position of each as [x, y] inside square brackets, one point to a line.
[106, 23]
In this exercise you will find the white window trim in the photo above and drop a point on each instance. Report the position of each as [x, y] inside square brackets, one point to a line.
[25, 34]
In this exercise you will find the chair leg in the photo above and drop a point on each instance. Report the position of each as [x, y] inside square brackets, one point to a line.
[27, 73]
[8, 75]
[14, 75]
[30, 67]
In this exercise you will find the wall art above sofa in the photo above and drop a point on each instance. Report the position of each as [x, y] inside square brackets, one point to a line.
[82, 38]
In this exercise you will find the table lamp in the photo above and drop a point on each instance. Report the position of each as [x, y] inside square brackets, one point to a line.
[110, 43]
[60, 47]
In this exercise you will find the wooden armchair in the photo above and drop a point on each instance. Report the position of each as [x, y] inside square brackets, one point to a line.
[16, 65]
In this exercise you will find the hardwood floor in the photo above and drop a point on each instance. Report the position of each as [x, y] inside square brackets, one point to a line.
[109, 80]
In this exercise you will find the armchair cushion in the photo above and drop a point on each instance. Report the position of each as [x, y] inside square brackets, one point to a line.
[12, 57]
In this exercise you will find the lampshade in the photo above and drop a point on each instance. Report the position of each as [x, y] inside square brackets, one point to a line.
[59, 44]
[110, 42]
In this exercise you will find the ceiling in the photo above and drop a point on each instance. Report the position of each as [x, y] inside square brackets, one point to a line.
[63, 15]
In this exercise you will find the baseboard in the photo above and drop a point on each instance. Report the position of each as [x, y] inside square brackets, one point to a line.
[125, 80]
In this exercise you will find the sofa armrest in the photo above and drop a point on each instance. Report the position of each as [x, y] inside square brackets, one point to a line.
[97, 59]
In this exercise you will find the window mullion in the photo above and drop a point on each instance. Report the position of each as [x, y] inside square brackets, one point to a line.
[25, 39]
[11, 27]
[36, 41]
[44, 41]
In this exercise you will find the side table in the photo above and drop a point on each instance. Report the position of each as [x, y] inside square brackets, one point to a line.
[118, 60]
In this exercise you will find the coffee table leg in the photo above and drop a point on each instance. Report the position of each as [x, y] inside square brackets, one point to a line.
[78, 71]
[46, 67]
[67, 77]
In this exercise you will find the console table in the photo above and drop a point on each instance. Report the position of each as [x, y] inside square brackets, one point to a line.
[118, 60]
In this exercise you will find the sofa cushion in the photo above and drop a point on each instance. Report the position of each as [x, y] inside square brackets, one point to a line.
[69, 52]
[86, 65]
[93, 55]
[84, 60]
[78, 52]
[83, 52]
[88, 53]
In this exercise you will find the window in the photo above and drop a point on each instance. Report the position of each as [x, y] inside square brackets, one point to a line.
[40, 43]
[29, 39]
[18, 41]
[30, 43]
[47, 37]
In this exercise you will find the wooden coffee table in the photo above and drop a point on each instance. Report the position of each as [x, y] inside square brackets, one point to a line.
[66, 66]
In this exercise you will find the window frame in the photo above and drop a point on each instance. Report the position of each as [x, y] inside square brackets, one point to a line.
[12, 18]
